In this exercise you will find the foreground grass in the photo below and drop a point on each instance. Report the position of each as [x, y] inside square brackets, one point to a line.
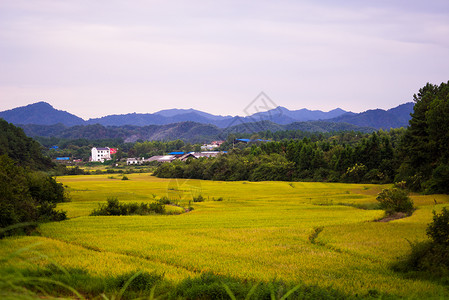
[259, 232]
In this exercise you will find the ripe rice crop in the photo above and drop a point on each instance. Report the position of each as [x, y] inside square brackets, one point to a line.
[260, 231]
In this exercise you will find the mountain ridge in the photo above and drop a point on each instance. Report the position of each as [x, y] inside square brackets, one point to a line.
[42, 113]
[187, 131]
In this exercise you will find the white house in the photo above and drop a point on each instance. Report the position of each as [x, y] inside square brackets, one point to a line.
[212, 145]
[135, 161]
[101, 154]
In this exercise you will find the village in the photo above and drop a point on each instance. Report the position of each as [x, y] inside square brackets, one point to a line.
[102, 154]
[105, 154]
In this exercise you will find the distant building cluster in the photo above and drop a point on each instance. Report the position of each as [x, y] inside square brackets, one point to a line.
[101, 154]
[183, 156]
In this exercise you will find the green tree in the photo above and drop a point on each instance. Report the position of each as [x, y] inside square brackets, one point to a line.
[425, 145]
[395, 200]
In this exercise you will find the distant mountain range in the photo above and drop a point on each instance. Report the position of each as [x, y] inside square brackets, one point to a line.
[42, 113]
[188, 131]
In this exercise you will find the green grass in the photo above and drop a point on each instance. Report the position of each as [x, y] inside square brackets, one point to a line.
[259, 232]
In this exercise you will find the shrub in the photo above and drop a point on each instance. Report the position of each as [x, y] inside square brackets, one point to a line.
[438, 230]
[125, 177]
[430, 259]
[198, 198]
[395, 200]
[164, 200]
[114, 208]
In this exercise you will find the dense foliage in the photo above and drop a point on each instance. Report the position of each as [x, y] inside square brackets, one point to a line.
[27, 196]
[370, 158]
[425, 147]
[23, 150]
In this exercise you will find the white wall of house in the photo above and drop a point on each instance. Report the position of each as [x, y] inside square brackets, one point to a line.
[101, 154]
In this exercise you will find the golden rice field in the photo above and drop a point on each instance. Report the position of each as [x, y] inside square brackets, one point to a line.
[259, 231]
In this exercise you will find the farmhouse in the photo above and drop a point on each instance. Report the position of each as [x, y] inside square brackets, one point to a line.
[102, 154]
[135, 161]
[186, 156]
[212, 145]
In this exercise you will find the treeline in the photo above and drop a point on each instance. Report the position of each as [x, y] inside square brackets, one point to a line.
[80, 148]
[371, 159]
[418, 155]
[27, 193]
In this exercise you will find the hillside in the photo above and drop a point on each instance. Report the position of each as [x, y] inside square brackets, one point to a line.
[40, 113]
[25, 151]
[187, 131]
[280, 115]
[379, 118]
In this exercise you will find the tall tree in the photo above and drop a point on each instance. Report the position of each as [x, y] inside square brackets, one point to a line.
[425, 146]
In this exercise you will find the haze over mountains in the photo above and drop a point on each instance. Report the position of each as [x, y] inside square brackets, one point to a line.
[42, 113]
[190, 125]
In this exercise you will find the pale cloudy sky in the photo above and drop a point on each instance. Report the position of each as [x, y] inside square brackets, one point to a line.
[94, 58]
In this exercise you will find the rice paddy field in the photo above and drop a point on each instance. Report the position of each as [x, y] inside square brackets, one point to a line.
[310, 233]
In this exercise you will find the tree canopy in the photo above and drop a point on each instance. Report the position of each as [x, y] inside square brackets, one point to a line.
[425, 147]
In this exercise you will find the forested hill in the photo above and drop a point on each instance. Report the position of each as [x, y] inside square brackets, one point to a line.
[378, 118]
[187, 131]
[25, 151]
[40, 113]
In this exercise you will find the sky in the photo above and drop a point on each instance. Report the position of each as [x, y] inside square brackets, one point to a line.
[95, 58]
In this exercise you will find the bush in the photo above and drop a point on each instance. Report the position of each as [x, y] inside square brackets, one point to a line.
[438, 230]
[430, 259]
[114, 208]
[164, 200]
[27, 196]
[395, 200]
[198, 198]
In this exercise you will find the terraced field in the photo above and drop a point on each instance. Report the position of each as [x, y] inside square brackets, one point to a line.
[297, 232]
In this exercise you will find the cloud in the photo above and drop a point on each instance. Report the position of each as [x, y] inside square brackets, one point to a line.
[215, 56]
